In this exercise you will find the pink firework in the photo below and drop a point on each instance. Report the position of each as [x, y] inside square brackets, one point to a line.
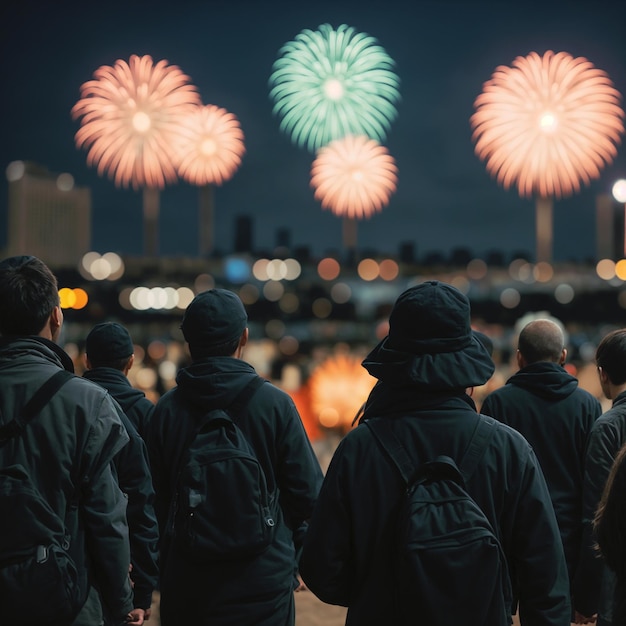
[211, 148]
[354, 177]
[130, 116]
[547, 123]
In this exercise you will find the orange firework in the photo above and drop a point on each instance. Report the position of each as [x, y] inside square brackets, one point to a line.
[547, 123]
[211, 148]
[338, 387]
[131, 114]
[354, 176]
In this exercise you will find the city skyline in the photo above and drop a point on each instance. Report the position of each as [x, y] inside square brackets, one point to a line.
[443, 52]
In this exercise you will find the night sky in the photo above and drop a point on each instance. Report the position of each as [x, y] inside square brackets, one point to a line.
[444, 52]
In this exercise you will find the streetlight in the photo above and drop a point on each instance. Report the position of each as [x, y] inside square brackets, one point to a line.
[619, 193]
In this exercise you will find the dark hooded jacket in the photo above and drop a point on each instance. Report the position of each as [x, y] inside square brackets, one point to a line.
[346, 558]
[257, 591]
[545, 404]
[136, 482]
[593, 585]
[68, 451]
[133, 401]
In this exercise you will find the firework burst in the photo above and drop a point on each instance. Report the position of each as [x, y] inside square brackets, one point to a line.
[330, 83]
[547, 123]
[211, 147]
[338, 387]
[130, 115]
[354, 177]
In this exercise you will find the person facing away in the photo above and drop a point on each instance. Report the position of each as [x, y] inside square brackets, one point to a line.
[594, 583]
[610, 531]
[544, 403]
[109, 355]
[257, 590]
[68, 448]
[424, 366]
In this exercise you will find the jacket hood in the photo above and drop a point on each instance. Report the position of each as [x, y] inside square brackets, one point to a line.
[125, 394]
[214, 382]
[546, 380]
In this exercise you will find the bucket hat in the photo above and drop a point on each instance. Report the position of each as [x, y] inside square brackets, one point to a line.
[431, 343]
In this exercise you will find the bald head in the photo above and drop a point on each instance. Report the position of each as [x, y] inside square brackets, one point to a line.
[542, 340]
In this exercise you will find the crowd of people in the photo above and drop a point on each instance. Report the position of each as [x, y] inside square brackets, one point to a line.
[144, 504]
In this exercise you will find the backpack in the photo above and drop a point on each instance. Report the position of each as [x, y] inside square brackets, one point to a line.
[39, 581]
[448, 563]
[222, 509]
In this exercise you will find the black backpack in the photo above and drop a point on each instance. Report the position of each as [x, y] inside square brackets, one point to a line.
[223, 508]
[39, 581]
[448, 563]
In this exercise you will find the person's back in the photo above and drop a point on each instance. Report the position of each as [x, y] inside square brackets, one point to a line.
[244, 591]
[106, 341]
[544, 403]
[109, 356]
[424, 367]
[593, 586]
[610, 530]
[68, 447]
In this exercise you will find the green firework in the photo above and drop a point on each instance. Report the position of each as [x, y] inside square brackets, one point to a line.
[328, 83]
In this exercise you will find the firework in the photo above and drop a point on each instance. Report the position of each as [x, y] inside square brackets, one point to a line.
[354, 176]
[130, 114]
[338, 387]
[547, 123]
[330, 83]
[211, 147]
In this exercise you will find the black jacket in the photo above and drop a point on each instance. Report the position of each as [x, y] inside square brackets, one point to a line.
[135, 480]
[346, 555]
[258, 591]
[545, 404]
[133, 401]
[76, 437]
[592, 587]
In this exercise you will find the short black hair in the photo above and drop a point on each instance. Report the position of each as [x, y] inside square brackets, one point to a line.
[611, 356]
[222, 349]
[28, 294]
[116, 364]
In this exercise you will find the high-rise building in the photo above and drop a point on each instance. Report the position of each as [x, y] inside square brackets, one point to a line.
[243, 233]
[48, 216]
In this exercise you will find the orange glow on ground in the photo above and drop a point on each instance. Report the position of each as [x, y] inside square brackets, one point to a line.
[338, 387]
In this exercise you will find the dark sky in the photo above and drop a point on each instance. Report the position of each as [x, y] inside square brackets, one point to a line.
[444, 51]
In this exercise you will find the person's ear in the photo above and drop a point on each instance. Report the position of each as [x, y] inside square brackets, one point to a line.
[129, 365]
[520, 360]
[563, 357]
[244, 337]
[87, 361]
[55, 322]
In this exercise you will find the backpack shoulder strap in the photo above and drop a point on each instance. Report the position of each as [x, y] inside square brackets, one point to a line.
[481, 437]
[42, 396]
[393, 447]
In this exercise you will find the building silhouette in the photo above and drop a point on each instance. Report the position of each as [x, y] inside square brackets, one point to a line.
[610, 240]
[48, 216]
